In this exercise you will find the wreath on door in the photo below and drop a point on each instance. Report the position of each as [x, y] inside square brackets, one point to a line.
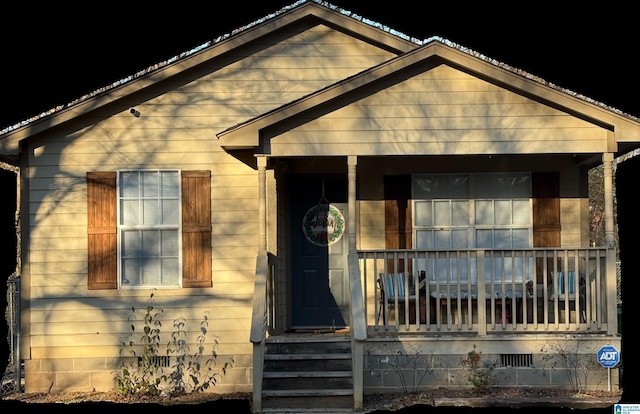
[323, 225]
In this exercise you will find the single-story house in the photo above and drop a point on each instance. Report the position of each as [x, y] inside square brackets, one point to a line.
[326, 190]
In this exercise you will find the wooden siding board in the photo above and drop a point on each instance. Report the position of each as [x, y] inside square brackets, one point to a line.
[278, 74]
[55, 207]
[235, 229]
[237, 253]
[77, 245]
[79, 292]
[244, 269]
[58, 232]
[432, 148]
[75, 279]
[427, 121]
[86, 351]
[249, 242]
[389, 134]
[218, 309]
[448, 112]
[46, 269]
[183, 301]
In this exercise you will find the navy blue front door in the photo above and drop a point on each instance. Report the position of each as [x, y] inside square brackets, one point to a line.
[319, 285]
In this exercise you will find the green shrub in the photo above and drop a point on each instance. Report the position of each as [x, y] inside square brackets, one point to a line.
[481, 374]
[140, 372]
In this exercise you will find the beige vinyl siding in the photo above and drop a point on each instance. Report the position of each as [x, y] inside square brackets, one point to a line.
[570, 210]
[176, 129]
[441, 111]
[371, 224]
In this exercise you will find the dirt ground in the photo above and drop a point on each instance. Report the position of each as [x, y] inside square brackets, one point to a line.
[375, 402]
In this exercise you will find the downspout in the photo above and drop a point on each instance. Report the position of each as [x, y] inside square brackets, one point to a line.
[18, 361]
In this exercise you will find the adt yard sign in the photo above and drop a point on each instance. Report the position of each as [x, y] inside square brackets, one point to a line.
[608, 356]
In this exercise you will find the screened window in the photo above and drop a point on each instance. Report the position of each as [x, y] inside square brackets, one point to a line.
[149, 228]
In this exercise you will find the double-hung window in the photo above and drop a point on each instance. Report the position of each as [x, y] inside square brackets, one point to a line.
[149, 228]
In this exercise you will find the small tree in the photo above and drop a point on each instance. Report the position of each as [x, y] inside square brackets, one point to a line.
[141, 374]
[480, 373]
[407, 358]
[195, 371]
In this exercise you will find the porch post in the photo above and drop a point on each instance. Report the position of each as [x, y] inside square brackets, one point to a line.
[609, 238]
[258, 329]
[358, 324]
[352, 162]
[262, 203]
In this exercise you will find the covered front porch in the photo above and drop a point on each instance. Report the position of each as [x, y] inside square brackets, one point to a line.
[464, 189]
[512, 301]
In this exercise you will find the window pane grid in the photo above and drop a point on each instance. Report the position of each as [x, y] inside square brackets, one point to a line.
[149, 229]
[496, 214]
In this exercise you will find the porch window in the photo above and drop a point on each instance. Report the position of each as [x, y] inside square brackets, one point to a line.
[483, 210]
[149, 228]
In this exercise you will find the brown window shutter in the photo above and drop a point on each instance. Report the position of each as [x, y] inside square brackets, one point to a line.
[546, 209]
[102, 231]
[196, 229]
[397, 215]
[546, 216]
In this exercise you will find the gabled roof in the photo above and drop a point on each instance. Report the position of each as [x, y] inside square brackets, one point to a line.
[373, 31]
[626, 127]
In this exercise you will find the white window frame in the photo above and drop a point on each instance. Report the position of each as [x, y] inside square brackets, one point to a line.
[473, 227]
[121, 228]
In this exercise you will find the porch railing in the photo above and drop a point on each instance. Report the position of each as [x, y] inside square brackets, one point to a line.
[261, 319]
[486, 291]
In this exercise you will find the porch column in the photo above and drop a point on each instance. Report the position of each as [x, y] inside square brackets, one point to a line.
[258, 329]
[609, 238]
[262, 203]
[356, 305]
[352, 162]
